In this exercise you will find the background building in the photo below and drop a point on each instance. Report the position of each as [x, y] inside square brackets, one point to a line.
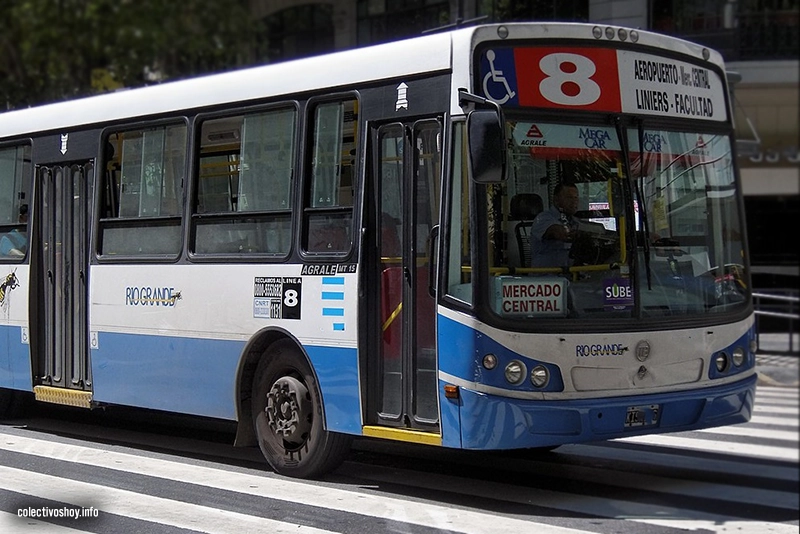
[758, 38]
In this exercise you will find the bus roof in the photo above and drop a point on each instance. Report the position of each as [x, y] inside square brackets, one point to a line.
[425, 54]
[391, 60]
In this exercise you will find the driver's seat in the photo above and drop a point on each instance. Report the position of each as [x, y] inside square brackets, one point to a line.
[524, 208]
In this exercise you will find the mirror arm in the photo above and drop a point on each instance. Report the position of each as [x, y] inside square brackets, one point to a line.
[469, 100]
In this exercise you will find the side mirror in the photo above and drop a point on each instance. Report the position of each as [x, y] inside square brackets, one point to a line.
[487, 145]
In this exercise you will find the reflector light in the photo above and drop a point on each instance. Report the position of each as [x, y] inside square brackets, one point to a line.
[539, 376]
[738, 356]
[515, 372]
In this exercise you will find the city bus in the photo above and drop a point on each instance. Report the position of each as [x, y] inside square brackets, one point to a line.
[342, 246]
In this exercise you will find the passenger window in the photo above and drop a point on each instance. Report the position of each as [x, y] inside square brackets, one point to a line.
[142, 192]
[329, 200]
[15, 181]
[244, 183]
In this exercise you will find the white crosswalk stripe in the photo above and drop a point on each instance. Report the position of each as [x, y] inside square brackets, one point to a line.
[739, 449]
[742, 478]
[137, 505]
[271, 487]
[742, 430]
[760, 408]
[767, 420]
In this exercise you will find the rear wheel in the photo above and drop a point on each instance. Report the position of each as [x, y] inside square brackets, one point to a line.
[287, 416]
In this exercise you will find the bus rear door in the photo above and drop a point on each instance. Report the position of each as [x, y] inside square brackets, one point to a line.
[59, 258]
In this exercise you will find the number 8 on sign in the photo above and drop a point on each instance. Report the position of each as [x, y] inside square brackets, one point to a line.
[568, 80]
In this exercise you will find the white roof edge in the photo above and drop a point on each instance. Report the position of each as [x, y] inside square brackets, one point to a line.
[429, 53]
[582, 30]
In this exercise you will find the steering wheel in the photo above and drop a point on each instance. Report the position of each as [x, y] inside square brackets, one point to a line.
[585, 249]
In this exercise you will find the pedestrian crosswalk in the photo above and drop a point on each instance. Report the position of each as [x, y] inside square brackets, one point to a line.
[732, 479]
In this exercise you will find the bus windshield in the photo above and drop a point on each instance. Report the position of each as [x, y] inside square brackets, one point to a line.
[586, 228]
[692, 258]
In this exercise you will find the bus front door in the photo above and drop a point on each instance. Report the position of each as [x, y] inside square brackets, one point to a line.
[407, 192]
[59, 314]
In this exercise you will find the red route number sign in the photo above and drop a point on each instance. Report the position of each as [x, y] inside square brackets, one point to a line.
[574, 78]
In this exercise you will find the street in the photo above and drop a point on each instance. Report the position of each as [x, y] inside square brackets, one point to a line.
[146, 476]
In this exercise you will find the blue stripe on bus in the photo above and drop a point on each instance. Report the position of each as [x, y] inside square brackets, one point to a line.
[176, 374]
[456, 339]
[333, 312]
[168, 373]
[15, 365]
[580, 420]
[337, 372]
[332, 295]
[333, 280]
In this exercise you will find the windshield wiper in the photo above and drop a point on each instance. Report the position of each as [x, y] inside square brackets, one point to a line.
[638, 190]
[643, 205]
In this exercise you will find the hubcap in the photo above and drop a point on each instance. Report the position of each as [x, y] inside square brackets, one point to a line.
[289, 409]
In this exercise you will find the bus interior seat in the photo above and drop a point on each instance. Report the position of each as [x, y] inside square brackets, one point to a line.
[524, 208]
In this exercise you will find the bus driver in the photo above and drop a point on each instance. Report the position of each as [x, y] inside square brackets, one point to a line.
[553, 230]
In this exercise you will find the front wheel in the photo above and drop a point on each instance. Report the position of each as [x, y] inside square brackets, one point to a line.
[287, 416]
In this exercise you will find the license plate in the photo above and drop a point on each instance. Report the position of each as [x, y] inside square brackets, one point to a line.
[641, 416]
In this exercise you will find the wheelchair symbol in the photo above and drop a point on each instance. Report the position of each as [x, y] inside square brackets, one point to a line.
[496, 77]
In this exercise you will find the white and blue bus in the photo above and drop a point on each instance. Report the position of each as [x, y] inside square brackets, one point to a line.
[347, 245]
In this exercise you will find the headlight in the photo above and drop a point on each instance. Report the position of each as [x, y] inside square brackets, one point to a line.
[490, 361]
[738, 356]
[515, 372]
[721, 361]
[539, 376]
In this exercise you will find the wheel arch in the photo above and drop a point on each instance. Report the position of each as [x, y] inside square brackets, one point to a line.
[256, 349]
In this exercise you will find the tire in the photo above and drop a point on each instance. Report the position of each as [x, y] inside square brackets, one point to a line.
[287, 416]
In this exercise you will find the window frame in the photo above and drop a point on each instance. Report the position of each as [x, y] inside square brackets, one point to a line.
[20, 199]
[197, 219]
[116, 222]
[307, 210]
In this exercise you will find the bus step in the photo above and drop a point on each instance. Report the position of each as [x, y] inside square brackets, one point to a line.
[68, 397]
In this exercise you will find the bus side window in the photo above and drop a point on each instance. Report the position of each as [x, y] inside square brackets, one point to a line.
[329, 233]
[15, 180]
[244, 184]
[328, 210]
[142, 192]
